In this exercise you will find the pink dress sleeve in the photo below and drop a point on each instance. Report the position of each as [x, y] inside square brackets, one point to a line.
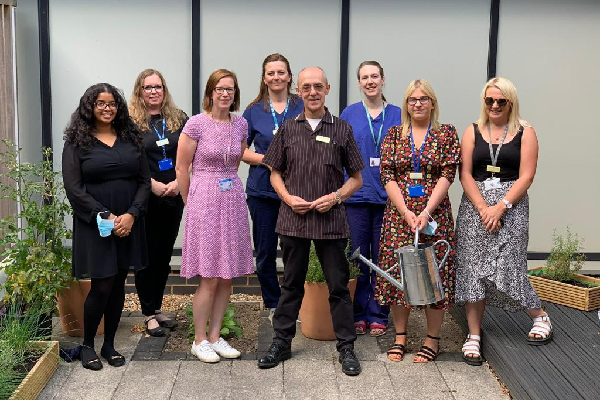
[192, 127]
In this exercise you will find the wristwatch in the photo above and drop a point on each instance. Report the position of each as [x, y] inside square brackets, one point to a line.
[507, 203]
[338, 198]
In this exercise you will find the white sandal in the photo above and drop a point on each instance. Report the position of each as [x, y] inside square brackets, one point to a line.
[472, 350]
[541, 327]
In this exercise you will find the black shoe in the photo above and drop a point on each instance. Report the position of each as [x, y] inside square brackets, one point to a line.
[169, 323]
[113, 357]
[89, 358]
[277, 352]
[350, 364]
[155, 332]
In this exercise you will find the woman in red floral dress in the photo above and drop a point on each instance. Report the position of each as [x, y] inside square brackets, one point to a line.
[422, 156]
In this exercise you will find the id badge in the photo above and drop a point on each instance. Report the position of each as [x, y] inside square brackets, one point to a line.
[163, 142]
[416, 190]
[165, 164]
[374, 161]
[225, 184]
[492, 183]
[416, 175]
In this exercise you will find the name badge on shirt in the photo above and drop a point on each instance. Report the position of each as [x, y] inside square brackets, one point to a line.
[492, 183]
[323, 139]
[416, 190]
[165, 164]
[416, 175]
[491, 168]
[162, 142]
[225, 184]
[374, 161]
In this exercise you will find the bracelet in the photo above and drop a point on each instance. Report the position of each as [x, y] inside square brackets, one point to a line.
[338, 198]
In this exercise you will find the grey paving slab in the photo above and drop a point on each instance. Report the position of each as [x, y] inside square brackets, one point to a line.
[198, 380]
[372, 383]
[310, 349]
[250, 382]
[310, 379]
[468, 382]
[158, 375]
[84, 384]
[366, 348]
[53, 388]
[416, 381]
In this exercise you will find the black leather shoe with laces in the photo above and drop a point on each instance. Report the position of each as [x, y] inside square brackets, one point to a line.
[277, 352]
[349, 361]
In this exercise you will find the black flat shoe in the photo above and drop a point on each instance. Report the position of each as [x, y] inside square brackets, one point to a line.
[89, 359]
[169, 323]
[277, 352]
[113, 357]
[349, 361]
[154, 332]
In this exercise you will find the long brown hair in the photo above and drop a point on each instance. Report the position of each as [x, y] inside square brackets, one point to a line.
[137, 107]
[263, 91]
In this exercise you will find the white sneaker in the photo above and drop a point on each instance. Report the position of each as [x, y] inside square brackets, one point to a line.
[224, 349]
[205, 352]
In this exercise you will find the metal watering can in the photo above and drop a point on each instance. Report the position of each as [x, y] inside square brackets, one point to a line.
[419, 272]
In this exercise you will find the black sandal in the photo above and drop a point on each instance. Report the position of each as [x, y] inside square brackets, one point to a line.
[113, 357]
[427, 352]
[169, 323]
[397, 349]
[89, 359]
[154, 332]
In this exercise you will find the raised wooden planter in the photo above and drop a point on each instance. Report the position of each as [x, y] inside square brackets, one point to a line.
[315, 318]
[581, 298]
[40, 374]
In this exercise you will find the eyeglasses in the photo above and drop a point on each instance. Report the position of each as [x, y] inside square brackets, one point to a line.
[413, 100]
[221, 90]
[101, 105]
[319, 87]
[489, 101]
[148, 88]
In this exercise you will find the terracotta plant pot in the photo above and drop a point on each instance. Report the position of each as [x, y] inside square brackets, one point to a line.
[316, 322]
[70, 308]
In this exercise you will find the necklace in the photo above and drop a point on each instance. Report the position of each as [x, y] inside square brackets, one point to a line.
[221, 135]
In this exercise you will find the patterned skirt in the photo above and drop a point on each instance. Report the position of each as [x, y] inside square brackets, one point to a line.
[493, 266]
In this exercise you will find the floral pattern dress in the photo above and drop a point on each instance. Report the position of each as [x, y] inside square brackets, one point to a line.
[440, 158]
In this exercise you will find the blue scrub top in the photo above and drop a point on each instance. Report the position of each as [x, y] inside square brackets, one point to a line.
[260, 132]
[355, 114]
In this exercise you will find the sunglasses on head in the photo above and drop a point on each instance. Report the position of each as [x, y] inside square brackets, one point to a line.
[489, 101]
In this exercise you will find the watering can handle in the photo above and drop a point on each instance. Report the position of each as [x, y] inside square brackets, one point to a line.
[447, 251]
[417, 238]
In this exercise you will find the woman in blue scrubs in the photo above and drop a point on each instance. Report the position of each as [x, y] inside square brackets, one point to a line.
[274, 104]
[370, 120]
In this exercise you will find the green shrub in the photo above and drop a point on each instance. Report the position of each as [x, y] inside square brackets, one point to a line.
[565, 257]
[315, 272]
[229, 327]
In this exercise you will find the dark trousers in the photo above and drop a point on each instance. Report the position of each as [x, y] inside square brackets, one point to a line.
[365, 228]
[264, 212]
[332, 256]
[162, 227]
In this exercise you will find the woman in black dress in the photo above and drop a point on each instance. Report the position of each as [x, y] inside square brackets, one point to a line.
[155, 114]
[107, 180]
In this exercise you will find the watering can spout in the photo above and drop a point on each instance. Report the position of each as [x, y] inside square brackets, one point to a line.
[356, 255]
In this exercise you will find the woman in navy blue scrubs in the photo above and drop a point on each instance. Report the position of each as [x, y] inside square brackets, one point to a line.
[370, 120]
[274, 104]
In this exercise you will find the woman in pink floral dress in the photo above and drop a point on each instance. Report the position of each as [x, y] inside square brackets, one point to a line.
[216, 243]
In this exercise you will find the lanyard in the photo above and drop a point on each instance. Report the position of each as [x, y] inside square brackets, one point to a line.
[226, 148]
[417, 161]
[495, 158]
[378, 140]
[275, 116]
[162, 137]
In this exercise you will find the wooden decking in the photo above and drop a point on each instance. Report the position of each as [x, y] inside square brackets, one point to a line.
[567, 368]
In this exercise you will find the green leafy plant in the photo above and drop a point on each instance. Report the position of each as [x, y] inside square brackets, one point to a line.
[17, 330]
[229, 327]
[315, 272]
[34, 257]
[565, 257]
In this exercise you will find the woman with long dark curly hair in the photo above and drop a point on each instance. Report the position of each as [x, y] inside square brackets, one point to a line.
[155, 114]
[107, 181]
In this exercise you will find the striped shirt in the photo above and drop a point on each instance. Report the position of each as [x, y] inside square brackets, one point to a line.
[312, 165]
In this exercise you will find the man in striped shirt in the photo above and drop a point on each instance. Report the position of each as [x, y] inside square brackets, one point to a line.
[308, 157]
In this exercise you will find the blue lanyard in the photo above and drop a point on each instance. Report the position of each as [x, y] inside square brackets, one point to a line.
[417, 161]
[275, 116]
[162, 137]
[378, 140]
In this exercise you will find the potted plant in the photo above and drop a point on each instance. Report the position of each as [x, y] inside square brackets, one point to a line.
[34, 256]
[26, 362]
[558, 281]
[316, 322]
